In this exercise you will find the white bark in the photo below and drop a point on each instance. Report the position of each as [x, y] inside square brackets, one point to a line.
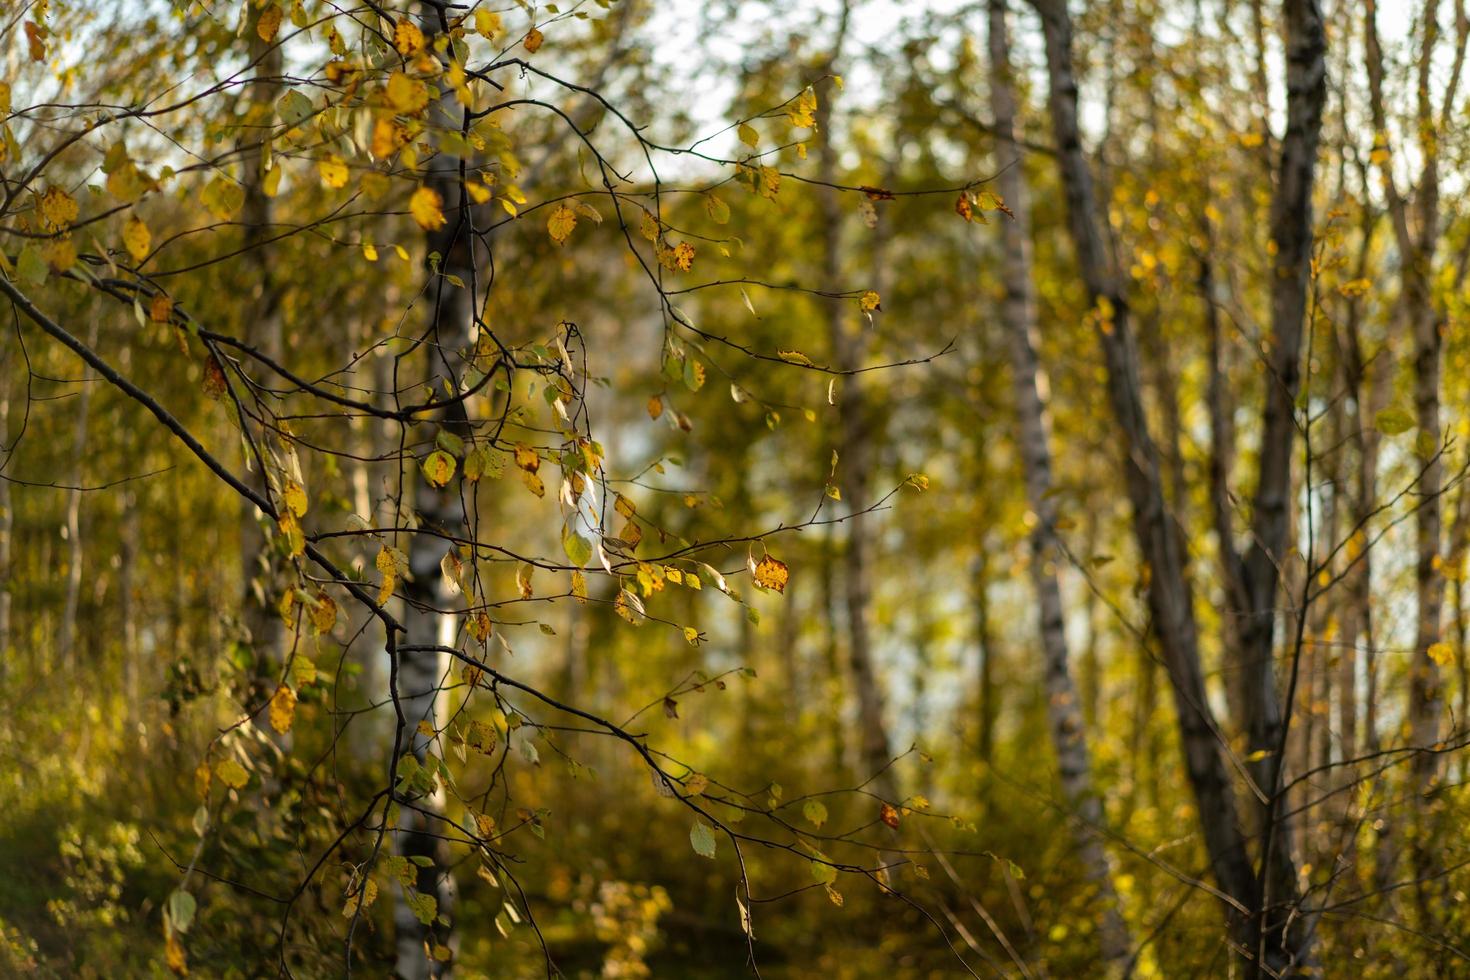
[1018, 312]
[427, 616]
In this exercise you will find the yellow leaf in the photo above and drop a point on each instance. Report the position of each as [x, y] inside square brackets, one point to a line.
[362, 898]
[533, 483]
[295, 496]
[222, 197]
[869, 301]
[794, 357]
[438, 468]
[269, 23]
[523, 579]
[408, 95]
[286, 608]
[487, 23]
[479, 625]
[1441, 653]
[291, 528]
[684, 256]
[324, 613]
[771, 573]
[579, 585]
[137, 238]
[655, 406]
[389, 136]
[748, 135]
[282, 709]
[61, 253]
[369, 252]
[303, 670]
[989, 201]
[563, 219]
[534, 40]
[173, 950]
[407, 38]
[231, 773]
[770, 182]
[333, 171]
[648, 226]
[800, 111]
[458, 81]
[426, 206]
[58, 209]
[387, 565]
[160, 308]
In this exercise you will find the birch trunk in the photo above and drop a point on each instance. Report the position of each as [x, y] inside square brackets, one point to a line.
[1417, 247]
[1275, 938]
[261, 572]
[985, 641]
[855, 464]
[7, 513]
[1159, 538]
[1018, 313]
[66, 639]
[428, 596]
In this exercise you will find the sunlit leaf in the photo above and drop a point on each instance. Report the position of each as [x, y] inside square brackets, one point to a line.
[702, 839]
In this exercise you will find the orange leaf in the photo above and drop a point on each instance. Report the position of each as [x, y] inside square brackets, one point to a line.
[889, 815]
[771, 573]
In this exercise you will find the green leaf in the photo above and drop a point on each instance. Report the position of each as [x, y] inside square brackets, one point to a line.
[578, 548]
[718, 210]
[702, 839]
[232, 774]
[31, 267]
[1426, 444]
[823, 873]
[484, 461]
[449, 442]
[293, 107]
[1393, 421]
[424, 907]
[181, 906]
[815, 812]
